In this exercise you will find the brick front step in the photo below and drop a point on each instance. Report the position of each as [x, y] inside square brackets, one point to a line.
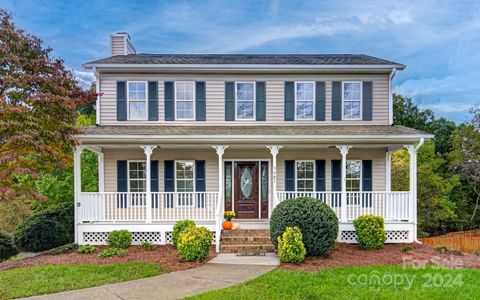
[246, 241]
[246, 233]
[237, 240]
[247, 248]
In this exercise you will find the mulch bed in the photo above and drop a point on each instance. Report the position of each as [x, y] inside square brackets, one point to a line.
[165, 256]
[391, 254]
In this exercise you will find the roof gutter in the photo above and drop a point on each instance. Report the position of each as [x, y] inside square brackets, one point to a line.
[240, 66]
[390, 96]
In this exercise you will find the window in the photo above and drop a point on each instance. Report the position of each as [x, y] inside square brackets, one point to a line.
[137, 182]
[137, 100]
[185, 100]
[354, 175]
[352, 100]
[245, 100]
[185, 181]
[304, 176]
[304, 100]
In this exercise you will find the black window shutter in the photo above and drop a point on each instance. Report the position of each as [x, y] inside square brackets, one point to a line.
[367, 100]
[320, 95]
[169, 182]
[336, 100]
[260, 101]
[122, 183]
[289, 101]
[121, 101]
[154, 182]
[200, 101]
[153, 101]
[200, 182]
[169, 101]
[229, 101]
[367, 174]
[320, 175]
[290, 175]
[336, 181]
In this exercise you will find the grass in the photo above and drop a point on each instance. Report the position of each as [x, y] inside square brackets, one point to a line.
[39, 280]
[357, 283]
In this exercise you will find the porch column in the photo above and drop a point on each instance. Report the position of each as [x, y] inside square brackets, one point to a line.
[388, 171]
[220, 150]
[412, 151]
[274, 151]
[343, 208]
[101, 172]
[77, 183]
[148, 153]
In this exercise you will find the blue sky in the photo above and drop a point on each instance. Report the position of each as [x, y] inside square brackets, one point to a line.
[439, 41]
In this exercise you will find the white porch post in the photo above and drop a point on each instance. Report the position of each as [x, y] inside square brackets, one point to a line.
[101, 172]
[148, 153]
[220, 150]
[77, 183]
[388, 171]
[412, 151]
[274, 151]
[343, 209]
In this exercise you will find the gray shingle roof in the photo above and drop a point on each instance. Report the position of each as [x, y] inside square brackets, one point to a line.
[323, 130]
[263, 59]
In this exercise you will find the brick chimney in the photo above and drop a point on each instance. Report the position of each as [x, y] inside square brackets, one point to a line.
[121, 44]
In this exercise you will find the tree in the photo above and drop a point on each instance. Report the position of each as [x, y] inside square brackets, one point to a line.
[38, 102]
[406, 113]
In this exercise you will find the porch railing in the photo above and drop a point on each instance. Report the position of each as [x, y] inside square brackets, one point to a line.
[392, 206]
[165, 206]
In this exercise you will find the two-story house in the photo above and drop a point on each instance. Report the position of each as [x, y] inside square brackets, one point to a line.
[187, 136]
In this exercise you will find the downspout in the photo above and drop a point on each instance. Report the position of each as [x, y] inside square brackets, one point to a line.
[97, 90]
[390, 96]
[420, 144]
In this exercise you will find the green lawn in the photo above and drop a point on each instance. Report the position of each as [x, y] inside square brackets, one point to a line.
[40, 280]
[357, 283]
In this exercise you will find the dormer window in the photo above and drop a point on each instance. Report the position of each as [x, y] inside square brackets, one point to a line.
[304, 100]
[245, 100]
[185, 100]
[352, 100]
[137, 100]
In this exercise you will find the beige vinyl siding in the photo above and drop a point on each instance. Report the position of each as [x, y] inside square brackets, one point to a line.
[215, 94]
[118, 45]
[377, 155]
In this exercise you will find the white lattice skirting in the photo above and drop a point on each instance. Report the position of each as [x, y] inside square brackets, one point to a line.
[393, 236]
[159, 238]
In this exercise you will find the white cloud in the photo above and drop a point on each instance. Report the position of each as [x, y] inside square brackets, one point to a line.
[452, 107]
[84, 78]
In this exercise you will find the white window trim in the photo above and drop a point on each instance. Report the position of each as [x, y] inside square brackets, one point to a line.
[314, 175]
[361, 101]
[313, 101]
[254, 101]
[361, 174]
[128, 100]
[175, 180]
[194, 102]
[130, 200]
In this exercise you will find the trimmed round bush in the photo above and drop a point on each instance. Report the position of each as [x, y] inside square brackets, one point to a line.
[317, 222]
[47, 229]
[194, 244]
[119, 239]
[370, 232]
[290, 246]
[7, 246]
[178, 228]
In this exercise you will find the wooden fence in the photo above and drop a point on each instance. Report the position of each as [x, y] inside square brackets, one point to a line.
[465, 241]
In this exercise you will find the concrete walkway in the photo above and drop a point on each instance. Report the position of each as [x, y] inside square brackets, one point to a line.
[210, 276]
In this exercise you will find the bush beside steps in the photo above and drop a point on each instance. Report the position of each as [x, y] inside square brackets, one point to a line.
[370, 232]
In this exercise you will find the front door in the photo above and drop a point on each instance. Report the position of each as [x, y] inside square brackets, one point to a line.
[246, 189]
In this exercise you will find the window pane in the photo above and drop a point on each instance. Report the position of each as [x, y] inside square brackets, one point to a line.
[184, 110]
[244, 110]
[137, 110]
[304, 110]
[304, 91]
[309, 185]
[353, 169]
[355, 110]
[352, 91]
[184, 90]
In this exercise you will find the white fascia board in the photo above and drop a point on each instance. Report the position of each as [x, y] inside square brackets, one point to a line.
[239, 66]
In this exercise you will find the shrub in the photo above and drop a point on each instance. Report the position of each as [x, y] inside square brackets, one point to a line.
[7, 246]
[86, 249]
[178, 228]
[47, 229]
[290, 246]
[195, 243]
[63, 249]
[148, 246]
[111, 252]
[407, 248]
[370, 232]
[119, 239]
[317, 222]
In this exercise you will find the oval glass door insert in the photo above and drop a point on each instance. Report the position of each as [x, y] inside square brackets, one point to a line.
[246, 183]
